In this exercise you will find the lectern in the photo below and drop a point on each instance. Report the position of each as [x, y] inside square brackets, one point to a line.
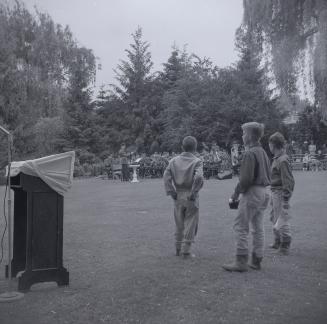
[38, 233]
[38, 219]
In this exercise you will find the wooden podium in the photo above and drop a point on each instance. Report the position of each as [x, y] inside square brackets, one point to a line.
[37, 234]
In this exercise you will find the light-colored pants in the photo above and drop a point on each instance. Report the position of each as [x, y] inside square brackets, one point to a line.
[251, 211]
[186, 213]
[280, 216]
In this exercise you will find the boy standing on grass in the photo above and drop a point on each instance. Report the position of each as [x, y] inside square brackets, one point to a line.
[282, 186]
[253, 180]
[183, 179]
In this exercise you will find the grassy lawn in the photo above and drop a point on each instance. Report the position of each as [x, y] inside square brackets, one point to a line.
[119, 250]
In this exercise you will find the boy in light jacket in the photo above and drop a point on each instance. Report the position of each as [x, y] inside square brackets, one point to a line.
[183, 179]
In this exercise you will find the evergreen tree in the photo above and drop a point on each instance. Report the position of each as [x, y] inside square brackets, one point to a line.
[79, 118]
[251, 98]
[134, 77]
[175, 115]
[176, 67]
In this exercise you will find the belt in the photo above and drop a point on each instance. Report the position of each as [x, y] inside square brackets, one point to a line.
[183, 190]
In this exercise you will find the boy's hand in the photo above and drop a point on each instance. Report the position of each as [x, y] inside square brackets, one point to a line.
[234, 196]
[174, 195]
[191, 197]
[286, 204]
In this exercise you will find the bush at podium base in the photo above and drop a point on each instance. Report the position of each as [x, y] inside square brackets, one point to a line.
[38, 233]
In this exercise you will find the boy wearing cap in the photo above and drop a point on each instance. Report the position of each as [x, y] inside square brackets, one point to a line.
[282, 186]
[253, 180]
[183, 179]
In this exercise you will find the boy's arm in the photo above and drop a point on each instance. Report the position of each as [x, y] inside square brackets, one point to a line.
[287, 180]
[198, 179]
[246, 174]
[168, 181]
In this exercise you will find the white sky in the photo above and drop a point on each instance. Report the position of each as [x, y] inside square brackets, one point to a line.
[206, 26]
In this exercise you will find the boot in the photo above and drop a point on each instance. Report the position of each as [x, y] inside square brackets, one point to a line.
[240, 264]
[284, 248]
[276, 244]
[255, 262]
[178, 248]
[187, 251]
[188, 255]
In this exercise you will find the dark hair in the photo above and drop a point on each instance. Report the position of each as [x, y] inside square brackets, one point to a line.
[278, 140]
[189, 144]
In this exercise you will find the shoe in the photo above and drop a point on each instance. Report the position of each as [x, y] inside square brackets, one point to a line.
[276, 243]
[255, 262]
[188, 255]
[284, 248]
[240, 264]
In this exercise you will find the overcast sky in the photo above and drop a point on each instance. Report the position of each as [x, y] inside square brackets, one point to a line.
[206, 26]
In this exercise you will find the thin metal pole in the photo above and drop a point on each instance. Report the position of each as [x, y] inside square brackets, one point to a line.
[9, 215]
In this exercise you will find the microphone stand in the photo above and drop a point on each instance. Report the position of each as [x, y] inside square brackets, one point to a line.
[9, 295]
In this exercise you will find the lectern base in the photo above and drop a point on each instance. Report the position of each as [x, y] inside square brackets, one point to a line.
[10, 296]
[27, 278]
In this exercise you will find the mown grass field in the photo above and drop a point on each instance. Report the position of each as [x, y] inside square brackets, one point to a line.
[119, 250]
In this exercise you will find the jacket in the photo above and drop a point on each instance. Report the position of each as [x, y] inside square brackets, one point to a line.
[255, 169]
[184, 173]
[281, 176]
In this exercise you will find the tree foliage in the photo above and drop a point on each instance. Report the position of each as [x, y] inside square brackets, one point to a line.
[47, 102]
[44, 81]
[296, 30]
[190, 96]
[310, 127]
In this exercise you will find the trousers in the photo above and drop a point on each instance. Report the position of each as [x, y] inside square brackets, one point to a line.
[280, 216]
[186, 214]
[251, 212]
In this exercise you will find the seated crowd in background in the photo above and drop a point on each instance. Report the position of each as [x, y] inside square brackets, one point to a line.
[307, 157]
[216, 160]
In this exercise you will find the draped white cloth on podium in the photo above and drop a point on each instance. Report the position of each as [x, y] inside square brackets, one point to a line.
[55, 170]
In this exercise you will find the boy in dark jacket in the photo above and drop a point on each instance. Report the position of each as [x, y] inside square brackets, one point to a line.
[253, 180]
[282, 186]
